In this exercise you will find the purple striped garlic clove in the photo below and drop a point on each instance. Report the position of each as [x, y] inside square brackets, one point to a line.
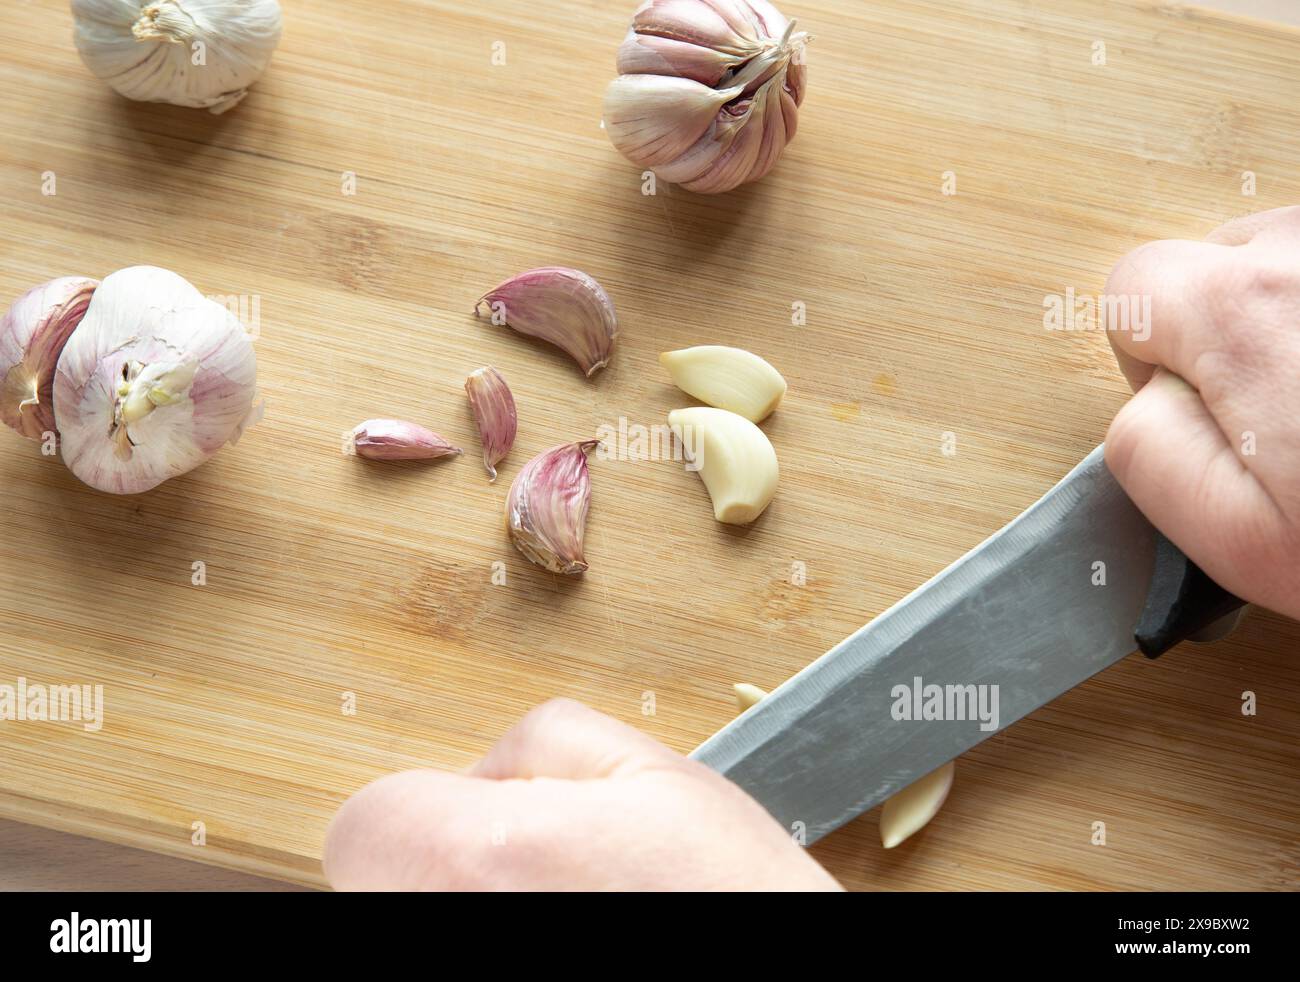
[563, 306]
[546, 509]
[395, 439]
[494, 411]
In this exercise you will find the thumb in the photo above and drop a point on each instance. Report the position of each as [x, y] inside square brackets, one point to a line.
[1169, 455]
[529, 815]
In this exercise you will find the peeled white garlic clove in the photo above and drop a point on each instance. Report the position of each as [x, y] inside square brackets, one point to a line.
[748, 696]
[199, 53]
[494, 411]
[741, 58]
[734, 457]
[32, 335]
[154, 381]
[563, 306]
[728, 378]
[907, 812]
[395, 439]
[546, 509]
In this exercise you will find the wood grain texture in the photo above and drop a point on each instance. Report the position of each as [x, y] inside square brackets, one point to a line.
[327, 575]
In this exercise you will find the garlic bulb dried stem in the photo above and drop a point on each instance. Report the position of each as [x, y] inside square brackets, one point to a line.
[709, 91]
[32, 335]
[494, 411]
[395, 439]
[153, 382]
[546, 509]
[563, 306]
[199, 53]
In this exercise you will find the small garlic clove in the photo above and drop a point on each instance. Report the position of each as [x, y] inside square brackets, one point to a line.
[911, 809]
[654, 119]
[563, 306]
[32, 335]
[494, 411]
[734, 457]
[748, 696]
[395, 439]
[728, 378]
[546, 509]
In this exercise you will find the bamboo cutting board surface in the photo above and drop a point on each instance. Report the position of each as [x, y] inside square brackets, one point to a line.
[326, 575]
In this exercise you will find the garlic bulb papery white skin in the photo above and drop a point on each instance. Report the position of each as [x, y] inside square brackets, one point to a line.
[153, 382]
[32, 336]
[709, 91]
[199, 53]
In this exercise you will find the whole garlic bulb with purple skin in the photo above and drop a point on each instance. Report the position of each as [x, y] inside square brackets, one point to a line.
[155, 380]
[708, 92]
[32, 335]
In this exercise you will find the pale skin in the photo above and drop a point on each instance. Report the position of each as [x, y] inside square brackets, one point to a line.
[1209, 449]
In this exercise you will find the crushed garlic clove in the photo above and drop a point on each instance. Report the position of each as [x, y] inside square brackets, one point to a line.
[546, 509]
[734, 457]
[563, 306]
[907, 812]
[728, 378]
[494, 411]
[395, 439]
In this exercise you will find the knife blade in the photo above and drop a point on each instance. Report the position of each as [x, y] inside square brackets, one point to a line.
[1042, 605]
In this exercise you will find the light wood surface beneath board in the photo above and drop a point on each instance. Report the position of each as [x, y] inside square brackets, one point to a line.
[327, 576]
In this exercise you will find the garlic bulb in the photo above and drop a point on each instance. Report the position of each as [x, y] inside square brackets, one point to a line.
[708, 91]
[154, 381]
[200, 53]
[32, 336]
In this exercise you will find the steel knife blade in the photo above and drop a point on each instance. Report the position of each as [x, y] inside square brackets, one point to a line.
[1042, 605]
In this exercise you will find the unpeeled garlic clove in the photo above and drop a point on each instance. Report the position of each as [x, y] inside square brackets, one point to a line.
[907, 812]
[546, 509]
[654, 119]
[734, 457]
[728, 378]
[395, 439]
[494, 411]
[748, 696]
[563, 306]
[32, 335]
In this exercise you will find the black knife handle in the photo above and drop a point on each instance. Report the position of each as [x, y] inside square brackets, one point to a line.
[1181, 602]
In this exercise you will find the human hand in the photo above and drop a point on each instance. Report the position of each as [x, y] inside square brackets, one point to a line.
[1209, 447]
[569, 799]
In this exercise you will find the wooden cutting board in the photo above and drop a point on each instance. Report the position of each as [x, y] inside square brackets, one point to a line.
[326, 576]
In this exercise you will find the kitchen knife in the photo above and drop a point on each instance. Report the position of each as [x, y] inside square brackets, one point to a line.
[1077, 582]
